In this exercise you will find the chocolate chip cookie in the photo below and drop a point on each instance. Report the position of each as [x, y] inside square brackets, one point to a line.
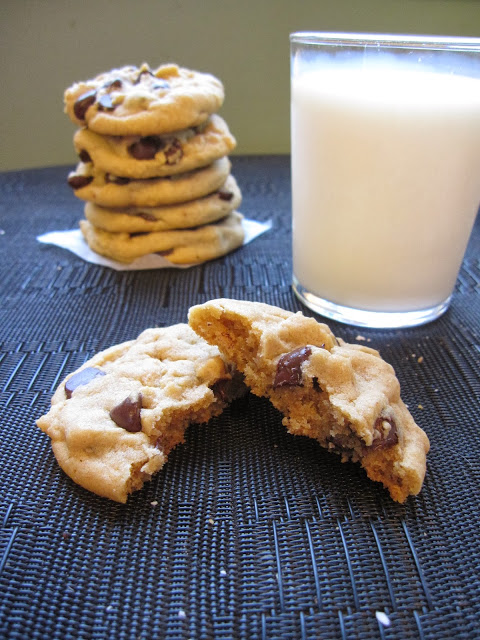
[209, 208]
[156, 155]
[113, 422]
[139, 101]
[179, 246]
[107, 190]
[345, 396]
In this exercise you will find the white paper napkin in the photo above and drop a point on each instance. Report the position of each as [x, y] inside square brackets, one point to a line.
[73, 241]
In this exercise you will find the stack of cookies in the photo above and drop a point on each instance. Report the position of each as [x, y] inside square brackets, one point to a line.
[154, 168]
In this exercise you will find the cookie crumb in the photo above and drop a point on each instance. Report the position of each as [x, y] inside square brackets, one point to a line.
[382, 618]
[211, 521]
[420, 359]
[420, 406]
[360, 338]
[154, 503]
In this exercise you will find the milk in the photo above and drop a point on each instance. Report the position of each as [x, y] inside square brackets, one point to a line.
[385, 184]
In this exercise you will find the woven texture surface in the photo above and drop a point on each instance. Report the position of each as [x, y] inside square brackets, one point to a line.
[247, 532]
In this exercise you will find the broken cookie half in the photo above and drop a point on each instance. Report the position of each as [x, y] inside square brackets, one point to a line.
[345, 396]
[114, 421]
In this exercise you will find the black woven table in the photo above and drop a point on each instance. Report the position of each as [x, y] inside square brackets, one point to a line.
[247, 532]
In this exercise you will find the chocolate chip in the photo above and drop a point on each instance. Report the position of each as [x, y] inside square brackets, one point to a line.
[225, 195]
[113, 84]
[83, 103]
[84, 156]
[145, 148]
[77, 181]
[289, 368]
[127, 414]
[109, 177]
[339, 445]
[105, 103]
[220, 390]
[174, 152]
[387, 435]
[143, 72]
[146, 216]
[82, 377]
[229, 389]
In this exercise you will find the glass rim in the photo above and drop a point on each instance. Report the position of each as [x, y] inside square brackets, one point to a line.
[384, 39]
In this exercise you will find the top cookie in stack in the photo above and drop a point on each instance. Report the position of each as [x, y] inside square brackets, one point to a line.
[154, 168]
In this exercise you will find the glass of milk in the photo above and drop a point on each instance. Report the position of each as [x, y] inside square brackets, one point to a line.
[385, 148]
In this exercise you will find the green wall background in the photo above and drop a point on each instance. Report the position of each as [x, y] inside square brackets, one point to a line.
[46, 45]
